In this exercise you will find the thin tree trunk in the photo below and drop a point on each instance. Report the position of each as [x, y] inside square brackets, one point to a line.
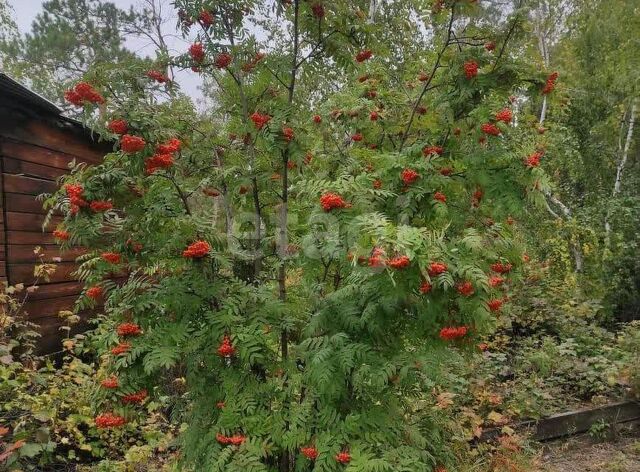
[373, 6]
[619, 170]
[543, 112]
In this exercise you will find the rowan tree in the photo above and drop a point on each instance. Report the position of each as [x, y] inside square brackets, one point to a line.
[316, 253]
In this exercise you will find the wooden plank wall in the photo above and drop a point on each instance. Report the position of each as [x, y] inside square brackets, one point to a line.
[34, 152]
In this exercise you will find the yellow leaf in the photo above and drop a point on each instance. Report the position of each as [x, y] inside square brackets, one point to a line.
[508, 431]
[496, 417]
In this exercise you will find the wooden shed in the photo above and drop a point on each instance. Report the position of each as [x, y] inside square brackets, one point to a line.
[37, 143]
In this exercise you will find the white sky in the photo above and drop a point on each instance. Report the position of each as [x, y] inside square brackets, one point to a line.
[25, 12]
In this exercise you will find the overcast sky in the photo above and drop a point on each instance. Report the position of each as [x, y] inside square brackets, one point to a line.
[26, 10]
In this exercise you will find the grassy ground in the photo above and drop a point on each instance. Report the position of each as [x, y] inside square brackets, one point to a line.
[584, 454]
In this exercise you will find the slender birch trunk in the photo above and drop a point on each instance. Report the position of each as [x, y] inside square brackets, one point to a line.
[373, 7]
[619, 171]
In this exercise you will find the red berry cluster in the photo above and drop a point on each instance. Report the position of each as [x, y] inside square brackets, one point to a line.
[196, 51]
[309, 452]
[465, 288]
[94, 292]
[364, 55]
[259, 119]
[317, 119]
[505, 115]
[61, 235]
[83, 93]
[75, 192]
[226, 349]
[490, 45]
[430, 150]
[134, 398]
[409, 176]
[495, 304]
[470, 69]
[501, 268]
[550, 84]
[128, 329]
[425, 287]
[399, 262]
[99, 206]
[111, 257]
[111, 382]
[490, 129]
[533, 160]
[235, 440]
[357, 137]
[222, 60]
[109, 420]
[287, 134]
[441, 197]
[197, 250]
[157, 76]
[171, 146]
[495, 281]
[450, 333]
[446, 171]
[437, 268]
[377, 257]
[343, 457]
[131, 144]
[206, 18]
[121, 349]
[377, 184]
[332, 201]
[118, 126]
[157, 161]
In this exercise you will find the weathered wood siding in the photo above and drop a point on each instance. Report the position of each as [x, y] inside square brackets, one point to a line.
[36, 149]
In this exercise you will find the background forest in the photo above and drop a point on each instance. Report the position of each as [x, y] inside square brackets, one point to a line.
[569, 337]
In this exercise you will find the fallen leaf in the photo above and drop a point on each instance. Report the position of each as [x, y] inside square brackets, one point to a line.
[445, 400]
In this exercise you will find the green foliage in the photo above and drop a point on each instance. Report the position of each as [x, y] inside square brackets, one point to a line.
[552, 353]
[47, 412]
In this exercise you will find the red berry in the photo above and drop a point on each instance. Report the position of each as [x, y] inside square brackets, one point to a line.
[437, 268]
[409, 176]
[332, 201]
[364, 55]
[197, 250]
[310, 452]
[118, 126]
[470, 69]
